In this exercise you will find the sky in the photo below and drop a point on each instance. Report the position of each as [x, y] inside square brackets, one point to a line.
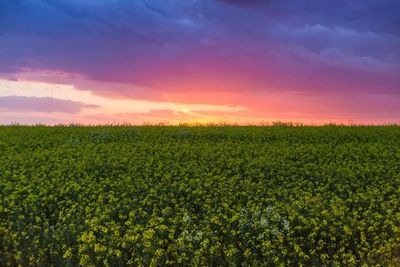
[199, 61]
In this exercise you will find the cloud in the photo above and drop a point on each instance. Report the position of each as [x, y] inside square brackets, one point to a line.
[244, 2]
[156, 49]
[41, 104]
[167, 45]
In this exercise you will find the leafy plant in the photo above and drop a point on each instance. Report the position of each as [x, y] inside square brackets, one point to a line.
[217, 195]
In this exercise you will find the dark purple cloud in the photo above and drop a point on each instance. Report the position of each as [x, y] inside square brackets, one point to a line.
[235, 45]
[41, 104]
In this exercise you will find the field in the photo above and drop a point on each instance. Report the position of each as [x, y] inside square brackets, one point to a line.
[237, 196]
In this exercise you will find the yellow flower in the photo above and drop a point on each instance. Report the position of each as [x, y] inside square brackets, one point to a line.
[67, 253]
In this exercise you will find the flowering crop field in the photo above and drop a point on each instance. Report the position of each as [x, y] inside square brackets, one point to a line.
[202, 196]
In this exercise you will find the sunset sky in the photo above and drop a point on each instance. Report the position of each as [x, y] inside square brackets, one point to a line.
[242, 61]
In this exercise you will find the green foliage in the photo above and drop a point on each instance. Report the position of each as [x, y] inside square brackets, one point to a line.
[237, 196]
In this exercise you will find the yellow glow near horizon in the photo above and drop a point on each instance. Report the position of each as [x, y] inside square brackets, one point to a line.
[113, 109]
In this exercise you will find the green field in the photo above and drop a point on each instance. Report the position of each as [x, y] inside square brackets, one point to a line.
[237, 196]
